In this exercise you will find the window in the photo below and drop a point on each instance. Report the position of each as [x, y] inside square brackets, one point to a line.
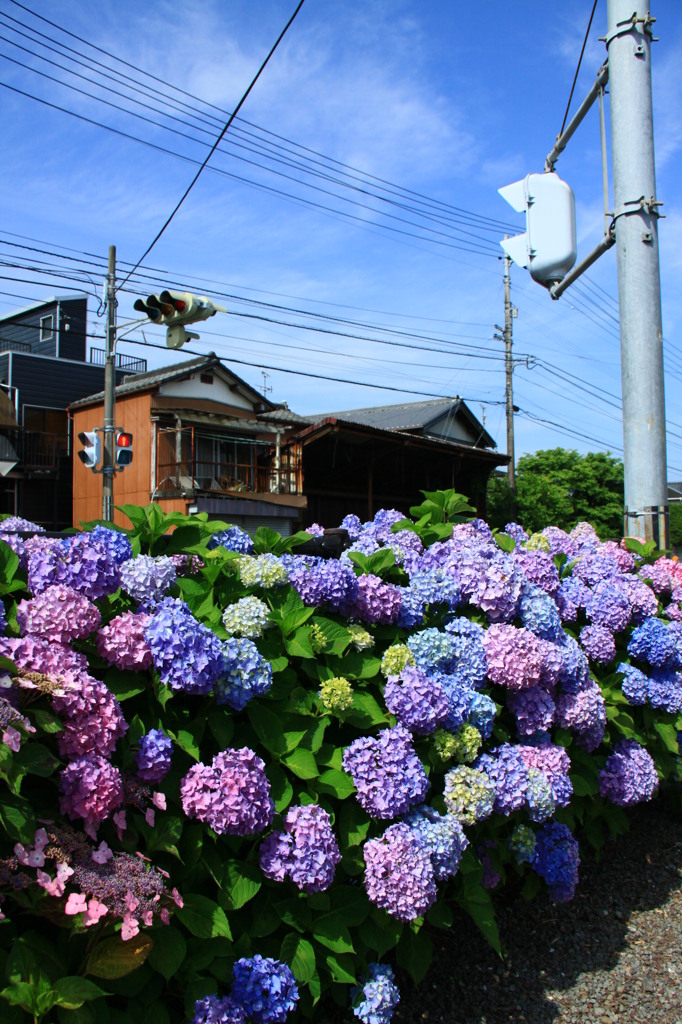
[47, 328]
[206, 378]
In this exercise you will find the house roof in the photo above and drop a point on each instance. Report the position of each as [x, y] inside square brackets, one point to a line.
[44, 302]
[154, 378]
[363, 431]
[411, 416]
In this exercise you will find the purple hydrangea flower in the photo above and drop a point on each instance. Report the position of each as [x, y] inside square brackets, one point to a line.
[245, 673]
[153, 757]
[507, 770]
[399, 875]
[533, 709]
[90, 788]
[629, 776]
[231, 795]
[378, 997]
[187, 655]
[92, 720]
[665, 690]
[497, 590]
[584, 713]
[33, 654]
[608, 606]
[320, 581]
[79, 562]
[598, 644]
[516, 532]
[375, 601]
[556, 859]
[386, 772]
[265, 988]
[214, 1010]
[515, 656]
[306, 851]
[417, 701]
[147, 579]
[555, 765]
[538, 568]
[59, 614]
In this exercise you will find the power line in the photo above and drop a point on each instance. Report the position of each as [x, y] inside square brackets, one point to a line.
[575, 77]
[215, 145]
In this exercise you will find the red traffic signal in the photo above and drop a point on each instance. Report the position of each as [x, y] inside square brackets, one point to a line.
[124, 448]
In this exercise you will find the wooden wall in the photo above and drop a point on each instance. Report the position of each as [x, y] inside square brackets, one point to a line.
[132, 487]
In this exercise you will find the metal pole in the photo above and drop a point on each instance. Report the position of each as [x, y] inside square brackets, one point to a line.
[639, 288]
[562, 141]
[109, 386]
[508, 368]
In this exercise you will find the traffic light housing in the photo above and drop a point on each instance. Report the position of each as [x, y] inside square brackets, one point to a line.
[175, 309]
[548, 247]
[91, 453]
[123, 453]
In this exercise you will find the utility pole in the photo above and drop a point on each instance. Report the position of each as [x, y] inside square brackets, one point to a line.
[508, 369]
[628, 40]
[108, 468]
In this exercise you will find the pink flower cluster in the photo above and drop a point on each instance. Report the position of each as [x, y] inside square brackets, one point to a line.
[231, 795]
[92, 717]
[122, 643]
[90, 788]
[59, 614]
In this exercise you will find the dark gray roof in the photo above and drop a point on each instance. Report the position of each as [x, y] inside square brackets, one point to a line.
[404, 416]
[151, 378]
[411, 416]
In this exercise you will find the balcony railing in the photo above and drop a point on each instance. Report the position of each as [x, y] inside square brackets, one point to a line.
[9, 345]
[227, 478]
[33, 451]
[131, 364]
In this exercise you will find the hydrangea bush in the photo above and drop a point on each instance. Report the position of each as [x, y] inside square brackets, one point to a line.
[238, 780]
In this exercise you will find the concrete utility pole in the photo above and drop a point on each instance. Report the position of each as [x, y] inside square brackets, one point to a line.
[508, 369]
[108, 468]
[628, 40]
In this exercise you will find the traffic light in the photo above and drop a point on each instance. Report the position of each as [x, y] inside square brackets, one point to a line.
[548, 246]
[91, 453]
[176, 308]
[123, 454]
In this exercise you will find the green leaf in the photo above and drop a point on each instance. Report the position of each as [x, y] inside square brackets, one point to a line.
[72, 991]
[45, 721]
[440, 915]
[298, 645]
[668, 734]
[302, 763]
[125, 684]
[353, 903]
[342, 969]
[476, 900]
[352, 825]
[187, 742]
[299, 954]
[414, 953]
[381, 932]
[203, 918]
[335, 783]
[330, 930]
[168, 952]
[366, 712]
[505, 542]
[281, 790]
[221, 725]
[35, 759]
[267, 727]
[17, 818]
[241, 882]
[113, 958]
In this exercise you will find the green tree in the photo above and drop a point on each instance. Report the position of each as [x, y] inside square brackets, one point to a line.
[560, 487]
[676, 524]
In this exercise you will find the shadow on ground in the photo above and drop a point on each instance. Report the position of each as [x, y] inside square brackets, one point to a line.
[570, 950]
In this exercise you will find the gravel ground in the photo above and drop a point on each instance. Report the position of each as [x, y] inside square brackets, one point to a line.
[613, 955]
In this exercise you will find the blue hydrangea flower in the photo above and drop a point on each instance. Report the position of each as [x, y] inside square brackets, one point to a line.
[147, 579]
[232, 539]
[245, 673]
[265, 988]
[154, 756]
[417, 701]
[187, 655]
[539, 613]
[653, 642]
[557, 859]
[442, 837]
[375, 1002]
[79, 562]
[116, 542]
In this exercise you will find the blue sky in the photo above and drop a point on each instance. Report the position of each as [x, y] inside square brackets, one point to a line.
[412, 102]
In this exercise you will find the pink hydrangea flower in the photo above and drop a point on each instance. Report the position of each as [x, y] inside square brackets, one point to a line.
[122, 643]
[59, 614]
